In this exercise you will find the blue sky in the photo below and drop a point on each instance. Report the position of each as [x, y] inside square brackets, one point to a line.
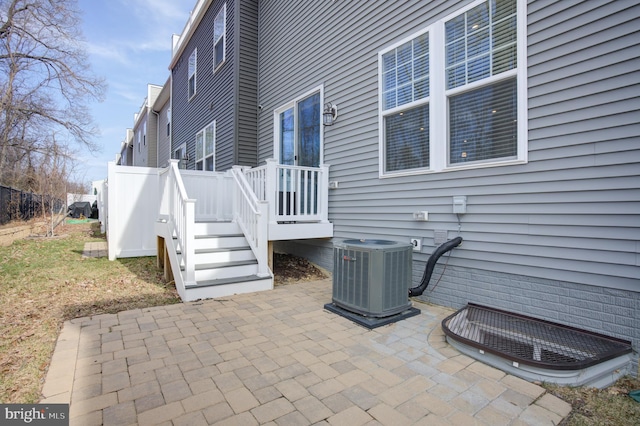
[129, 44]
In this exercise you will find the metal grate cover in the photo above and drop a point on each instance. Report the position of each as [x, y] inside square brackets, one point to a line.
[530, 340]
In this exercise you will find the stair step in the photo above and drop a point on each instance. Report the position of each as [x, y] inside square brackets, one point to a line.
[231, 264]
[226, 281]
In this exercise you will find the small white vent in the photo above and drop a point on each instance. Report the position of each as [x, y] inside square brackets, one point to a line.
[372, 277]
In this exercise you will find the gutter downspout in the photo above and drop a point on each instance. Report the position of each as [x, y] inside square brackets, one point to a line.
[431, 264]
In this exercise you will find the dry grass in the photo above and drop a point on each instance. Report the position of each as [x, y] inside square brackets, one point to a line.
[45, 281]
[601, 407]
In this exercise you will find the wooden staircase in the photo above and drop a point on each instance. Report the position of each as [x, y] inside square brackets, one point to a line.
[224, 263]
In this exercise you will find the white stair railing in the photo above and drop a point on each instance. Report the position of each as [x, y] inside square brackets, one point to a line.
[179, 211]
[251, 215]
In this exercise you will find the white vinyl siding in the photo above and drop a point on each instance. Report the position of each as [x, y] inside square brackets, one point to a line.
[193, 65]
[453, 94]
[219, 37]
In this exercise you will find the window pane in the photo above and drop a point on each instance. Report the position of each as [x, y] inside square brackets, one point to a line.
[209, 163]
[407, 139]
[479, 68]
[199, 152]
[405, 94]
[478, 17]
[471, 45]
[209, 138]
[389, 100]
[406, 73]
[286, 137]
[389, 61]
[192, 86]
[454, 29]
[421, 45]
[309, 131]
[483, 123]
[199, 165]
[404, 53]
[218, 52]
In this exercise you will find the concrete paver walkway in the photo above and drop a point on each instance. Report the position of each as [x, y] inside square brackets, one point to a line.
[95, 249]
[278, 357]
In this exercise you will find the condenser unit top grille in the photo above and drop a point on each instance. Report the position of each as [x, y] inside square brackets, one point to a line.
[370, 244]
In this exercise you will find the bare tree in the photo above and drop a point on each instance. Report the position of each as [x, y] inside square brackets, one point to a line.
[45, 78]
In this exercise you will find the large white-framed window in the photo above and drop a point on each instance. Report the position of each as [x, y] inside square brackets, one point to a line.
[193, 68]
[298, 136]
[219, 37]
[206, 148]
[453, 95]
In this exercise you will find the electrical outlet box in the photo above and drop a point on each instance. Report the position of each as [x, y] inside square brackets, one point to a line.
[416, 243]
[423, 216]
[460, 204]
[333, 184]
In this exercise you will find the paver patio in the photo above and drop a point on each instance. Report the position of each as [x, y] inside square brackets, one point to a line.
[278, 357]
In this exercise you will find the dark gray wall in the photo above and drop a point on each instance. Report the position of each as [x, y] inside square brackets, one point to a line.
[215, 92]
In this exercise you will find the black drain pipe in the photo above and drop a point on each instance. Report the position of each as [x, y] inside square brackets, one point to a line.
[431, 264]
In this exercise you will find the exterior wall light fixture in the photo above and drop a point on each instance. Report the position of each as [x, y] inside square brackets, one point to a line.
[185, 161]
[330, 114]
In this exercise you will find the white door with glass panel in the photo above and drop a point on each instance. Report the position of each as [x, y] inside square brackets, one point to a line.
[299, 144]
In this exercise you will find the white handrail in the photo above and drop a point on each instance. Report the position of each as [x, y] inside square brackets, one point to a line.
[251, 215]
[181, 218]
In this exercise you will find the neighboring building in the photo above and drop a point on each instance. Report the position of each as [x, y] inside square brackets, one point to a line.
[161, 108]
[145, 131]
[213, 95]
[125, 158]
[530, 111]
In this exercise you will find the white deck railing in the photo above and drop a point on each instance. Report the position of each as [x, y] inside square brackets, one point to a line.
[213, 190]
[179, 211]
[251, 215]
[294, 193]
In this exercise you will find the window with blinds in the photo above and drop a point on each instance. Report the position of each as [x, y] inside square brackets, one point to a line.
[462, 73]
[479, 44]
[405, 105]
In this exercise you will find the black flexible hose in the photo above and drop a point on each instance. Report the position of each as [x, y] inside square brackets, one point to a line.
[431, 264]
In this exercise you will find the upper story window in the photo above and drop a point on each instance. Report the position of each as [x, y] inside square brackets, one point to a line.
[206, 148]
[219, 37]
[144, 134]
[453, 95]
[193, 65]
[405, 105]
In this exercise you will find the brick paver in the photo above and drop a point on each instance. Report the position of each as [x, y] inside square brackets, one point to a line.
[278, 357]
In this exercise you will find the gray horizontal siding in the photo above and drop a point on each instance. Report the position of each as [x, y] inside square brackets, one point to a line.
[164, 141]
[572, 213]
[247, 82]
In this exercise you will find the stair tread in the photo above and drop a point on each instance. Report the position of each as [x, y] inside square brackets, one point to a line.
[218, 250]
[225, 281]
[204, 266]
[199, 237]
